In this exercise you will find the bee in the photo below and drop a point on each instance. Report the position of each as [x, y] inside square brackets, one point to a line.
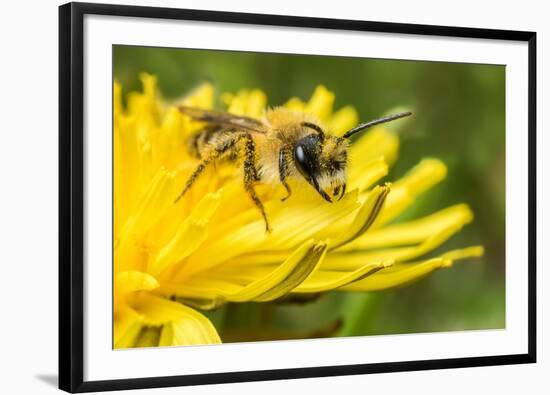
[282, 145]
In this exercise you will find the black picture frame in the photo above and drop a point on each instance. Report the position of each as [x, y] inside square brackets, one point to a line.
[71, 195]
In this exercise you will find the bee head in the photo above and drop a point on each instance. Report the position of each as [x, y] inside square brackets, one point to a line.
[321, 160]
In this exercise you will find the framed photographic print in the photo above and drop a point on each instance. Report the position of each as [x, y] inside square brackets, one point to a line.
[253, 197]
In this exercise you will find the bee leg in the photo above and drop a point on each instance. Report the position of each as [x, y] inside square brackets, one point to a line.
[222, 147]
[251, 176]
[283, 171]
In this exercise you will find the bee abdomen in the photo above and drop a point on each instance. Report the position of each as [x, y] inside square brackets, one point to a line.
[201, 144]
[199, 141]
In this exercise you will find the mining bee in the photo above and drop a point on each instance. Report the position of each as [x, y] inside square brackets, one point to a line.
[283, 144]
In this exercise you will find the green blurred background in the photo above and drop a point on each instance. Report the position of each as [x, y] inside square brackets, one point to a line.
[459, 117]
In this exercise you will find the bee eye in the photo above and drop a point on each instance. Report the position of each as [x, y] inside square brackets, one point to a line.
[302, 161]
[305, 155]
[300, 154]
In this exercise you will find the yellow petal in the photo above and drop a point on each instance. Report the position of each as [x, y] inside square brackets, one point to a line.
[201, 97]
[397, 275]
[193, 331]
[131, 281]
[295, 104]
[320, 103]
[413, 232]
[256, 103]
[419, 179]
[246, 102]
[237, 104]
[326, 280]
[170, 143]
[127, 339]
[470, 252]
[378, 142]
[125, 167]
[132, 250]
[226, 98]
[292, 224]
[237, 107]
[127, 325]
[145, 107]
[343, 120]
[188, 237]
[149, 82]
[364, 218]
[258, 283]
[404, 273]
[364, 176]
[190, 327]
[159, 194]
[351, 261]
[148, 337]
[306, 263]
[117, 98]
[423, 176]
[119, 215]
[166, 336]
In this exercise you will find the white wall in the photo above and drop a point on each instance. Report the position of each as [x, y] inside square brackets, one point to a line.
[28, 209]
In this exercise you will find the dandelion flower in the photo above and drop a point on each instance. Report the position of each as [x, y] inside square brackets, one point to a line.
[171, 261]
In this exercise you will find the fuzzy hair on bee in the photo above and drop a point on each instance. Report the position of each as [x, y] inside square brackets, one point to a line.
[284, 144]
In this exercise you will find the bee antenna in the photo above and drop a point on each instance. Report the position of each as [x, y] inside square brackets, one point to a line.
[375, 122]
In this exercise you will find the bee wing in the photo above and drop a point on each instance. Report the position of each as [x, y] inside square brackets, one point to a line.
[223, 118]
